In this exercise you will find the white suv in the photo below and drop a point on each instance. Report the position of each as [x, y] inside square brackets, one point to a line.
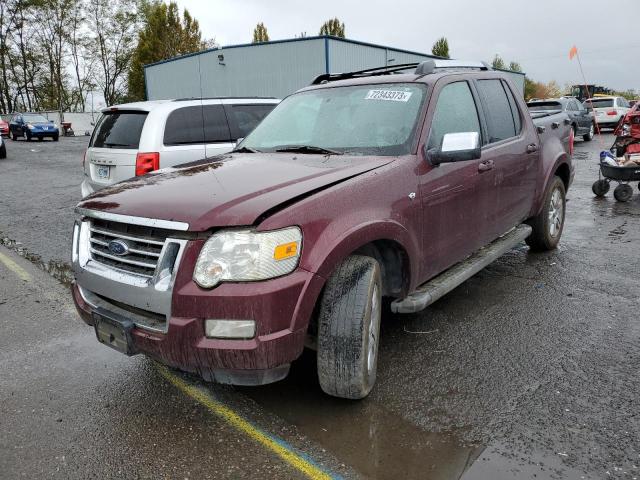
[607, 111]
[136, 138]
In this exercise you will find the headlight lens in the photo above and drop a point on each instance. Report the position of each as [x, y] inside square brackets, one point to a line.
[247, 255]
[29, 126]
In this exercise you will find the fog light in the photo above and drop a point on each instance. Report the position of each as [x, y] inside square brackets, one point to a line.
[242, 329]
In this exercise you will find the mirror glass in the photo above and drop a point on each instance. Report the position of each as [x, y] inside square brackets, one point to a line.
[456, 142]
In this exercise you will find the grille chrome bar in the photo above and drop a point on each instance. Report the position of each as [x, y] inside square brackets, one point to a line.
[122, 259]
[132, 250]
[125, 237]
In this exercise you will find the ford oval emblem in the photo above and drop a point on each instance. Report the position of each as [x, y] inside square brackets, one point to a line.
[118, 247]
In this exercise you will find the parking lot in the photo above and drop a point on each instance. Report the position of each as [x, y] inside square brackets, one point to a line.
[527, 370]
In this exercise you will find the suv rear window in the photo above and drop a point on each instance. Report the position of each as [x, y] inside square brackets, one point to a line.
[600, 103]
[247, 117]
[119, 130]
[539, 106]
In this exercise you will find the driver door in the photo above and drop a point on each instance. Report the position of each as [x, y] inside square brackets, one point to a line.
[455, 196]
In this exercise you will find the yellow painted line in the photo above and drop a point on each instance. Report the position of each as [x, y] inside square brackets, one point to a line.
[15, 268]
[277, 446]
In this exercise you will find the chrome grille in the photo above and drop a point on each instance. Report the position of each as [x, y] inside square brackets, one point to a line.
[144, 246]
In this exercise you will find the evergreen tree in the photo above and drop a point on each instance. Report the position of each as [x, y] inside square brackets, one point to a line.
[332, 27]
[260, 33]
[498, 62]
[164, 35]
[441, 48]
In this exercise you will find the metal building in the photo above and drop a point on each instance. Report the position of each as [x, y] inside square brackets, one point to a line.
[272, 69]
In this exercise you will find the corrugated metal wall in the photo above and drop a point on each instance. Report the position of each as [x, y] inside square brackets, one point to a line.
[274, 69]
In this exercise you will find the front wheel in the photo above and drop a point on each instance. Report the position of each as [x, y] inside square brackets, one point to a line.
[549, 223]
[3, 150]
[623, 192]
[349, 328]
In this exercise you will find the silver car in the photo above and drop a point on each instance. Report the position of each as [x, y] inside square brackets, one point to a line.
[136, 138]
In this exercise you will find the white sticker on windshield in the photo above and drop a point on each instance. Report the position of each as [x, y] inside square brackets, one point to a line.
[390, 95]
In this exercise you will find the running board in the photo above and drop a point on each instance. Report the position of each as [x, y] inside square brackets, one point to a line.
[435, 288]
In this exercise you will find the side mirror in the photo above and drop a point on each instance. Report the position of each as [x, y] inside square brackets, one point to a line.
[455, 147]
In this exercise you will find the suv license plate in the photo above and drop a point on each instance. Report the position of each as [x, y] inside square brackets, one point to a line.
[114, 331]
[103, 171]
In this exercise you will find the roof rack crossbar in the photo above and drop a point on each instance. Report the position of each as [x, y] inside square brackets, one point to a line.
[423, 68]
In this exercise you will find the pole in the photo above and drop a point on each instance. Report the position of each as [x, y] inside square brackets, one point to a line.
[586, 88]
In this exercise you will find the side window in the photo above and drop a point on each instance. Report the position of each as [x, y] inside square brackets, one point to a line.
[622, 102]
[517, 118]
[455, 112]
[244, 118]
[184, 126]
[500, 121]
[216, 127]
[571, 106]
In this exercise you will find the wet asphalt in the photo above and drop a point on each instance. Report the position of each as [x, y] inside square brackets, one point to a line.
[527, 370]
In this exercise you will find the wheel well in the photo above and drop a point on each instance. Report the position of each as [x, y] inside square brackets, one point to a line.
[394, 265]
[564, 173]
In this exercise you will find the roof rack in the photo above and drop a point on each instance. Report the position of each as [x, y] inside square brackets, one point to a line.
[423, 68]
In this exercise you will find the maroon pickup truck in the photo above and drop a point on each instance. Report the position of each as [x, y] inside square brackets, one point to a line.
[363, 188]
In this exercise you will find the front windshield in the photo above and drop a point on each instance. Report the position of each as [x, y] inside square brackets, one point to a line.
[33, 118]
[363, 119]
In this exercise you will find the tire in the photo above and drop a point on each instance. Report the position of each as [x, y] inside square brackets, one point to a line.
[349, 328]
[3, 151]
[623, 192]
[589, 136]
[549, 223]
[55, 138]
[28, 137]
[40, 139]
[14, 137]
[600, 188]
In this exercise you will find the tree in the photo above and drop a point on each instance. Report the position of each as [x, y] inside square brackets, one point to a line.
[441, 48]
[498, 62]
[164, 35]
[113, 24]
[515, 67]
[260, 33]
[332, 27]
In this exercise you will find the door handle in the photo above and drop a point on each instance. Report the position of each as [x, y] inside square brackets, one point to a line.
[532, 148]
[485, 165]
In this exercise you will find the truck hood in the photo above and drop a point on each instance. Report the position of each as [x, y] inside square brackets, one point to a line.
[232, 190]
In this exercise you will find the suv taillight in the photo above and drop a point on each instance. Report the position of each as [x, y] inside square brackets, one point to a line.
[612, 112]
[147, 162]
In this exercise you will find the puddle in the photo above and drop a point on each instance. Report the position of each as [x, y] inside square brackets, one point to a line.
[373, 441]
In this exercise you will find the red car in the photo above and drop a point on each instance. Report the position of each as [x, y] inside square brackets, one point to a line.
[4, 128]
[628, 130]
[361, 186]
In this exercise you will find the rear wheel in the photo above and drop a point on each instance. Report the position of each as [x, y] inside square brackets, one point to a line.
[349, 328]
[623, 192]
[549, 223]
[600, 188]
[589, 136]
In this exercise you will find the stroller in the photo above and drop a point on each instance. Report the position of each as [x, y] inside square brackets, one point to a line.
[627, 144]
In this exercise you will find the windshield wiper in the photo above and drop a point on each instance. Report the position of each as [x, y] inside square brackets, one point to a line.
[307, 149]
[245, 150]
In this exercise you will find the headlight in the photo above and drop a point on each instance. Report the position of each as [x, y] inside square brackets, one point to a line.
[247, 255]
[29, 126]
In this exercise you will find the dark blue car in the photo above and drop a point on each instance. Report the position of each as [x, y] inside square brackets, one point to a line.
[32, 125]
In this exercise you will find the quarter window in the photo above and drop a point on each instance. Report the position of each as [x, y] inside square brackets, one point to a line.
[500, 122]
[216, 127]
[456, 112]
[246, 117]
[184, 126]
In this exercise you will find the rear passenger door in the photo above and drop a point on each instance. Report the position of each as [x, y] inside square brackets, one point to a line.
[183, 139]
[217, 137]
[515, 155]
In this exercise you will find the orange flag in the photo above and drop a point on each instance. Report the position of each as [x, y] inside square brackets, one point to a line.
[573, 52]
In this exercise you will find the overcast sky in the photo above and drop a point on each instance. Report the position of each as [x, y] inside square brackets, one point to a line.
[536, 33]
